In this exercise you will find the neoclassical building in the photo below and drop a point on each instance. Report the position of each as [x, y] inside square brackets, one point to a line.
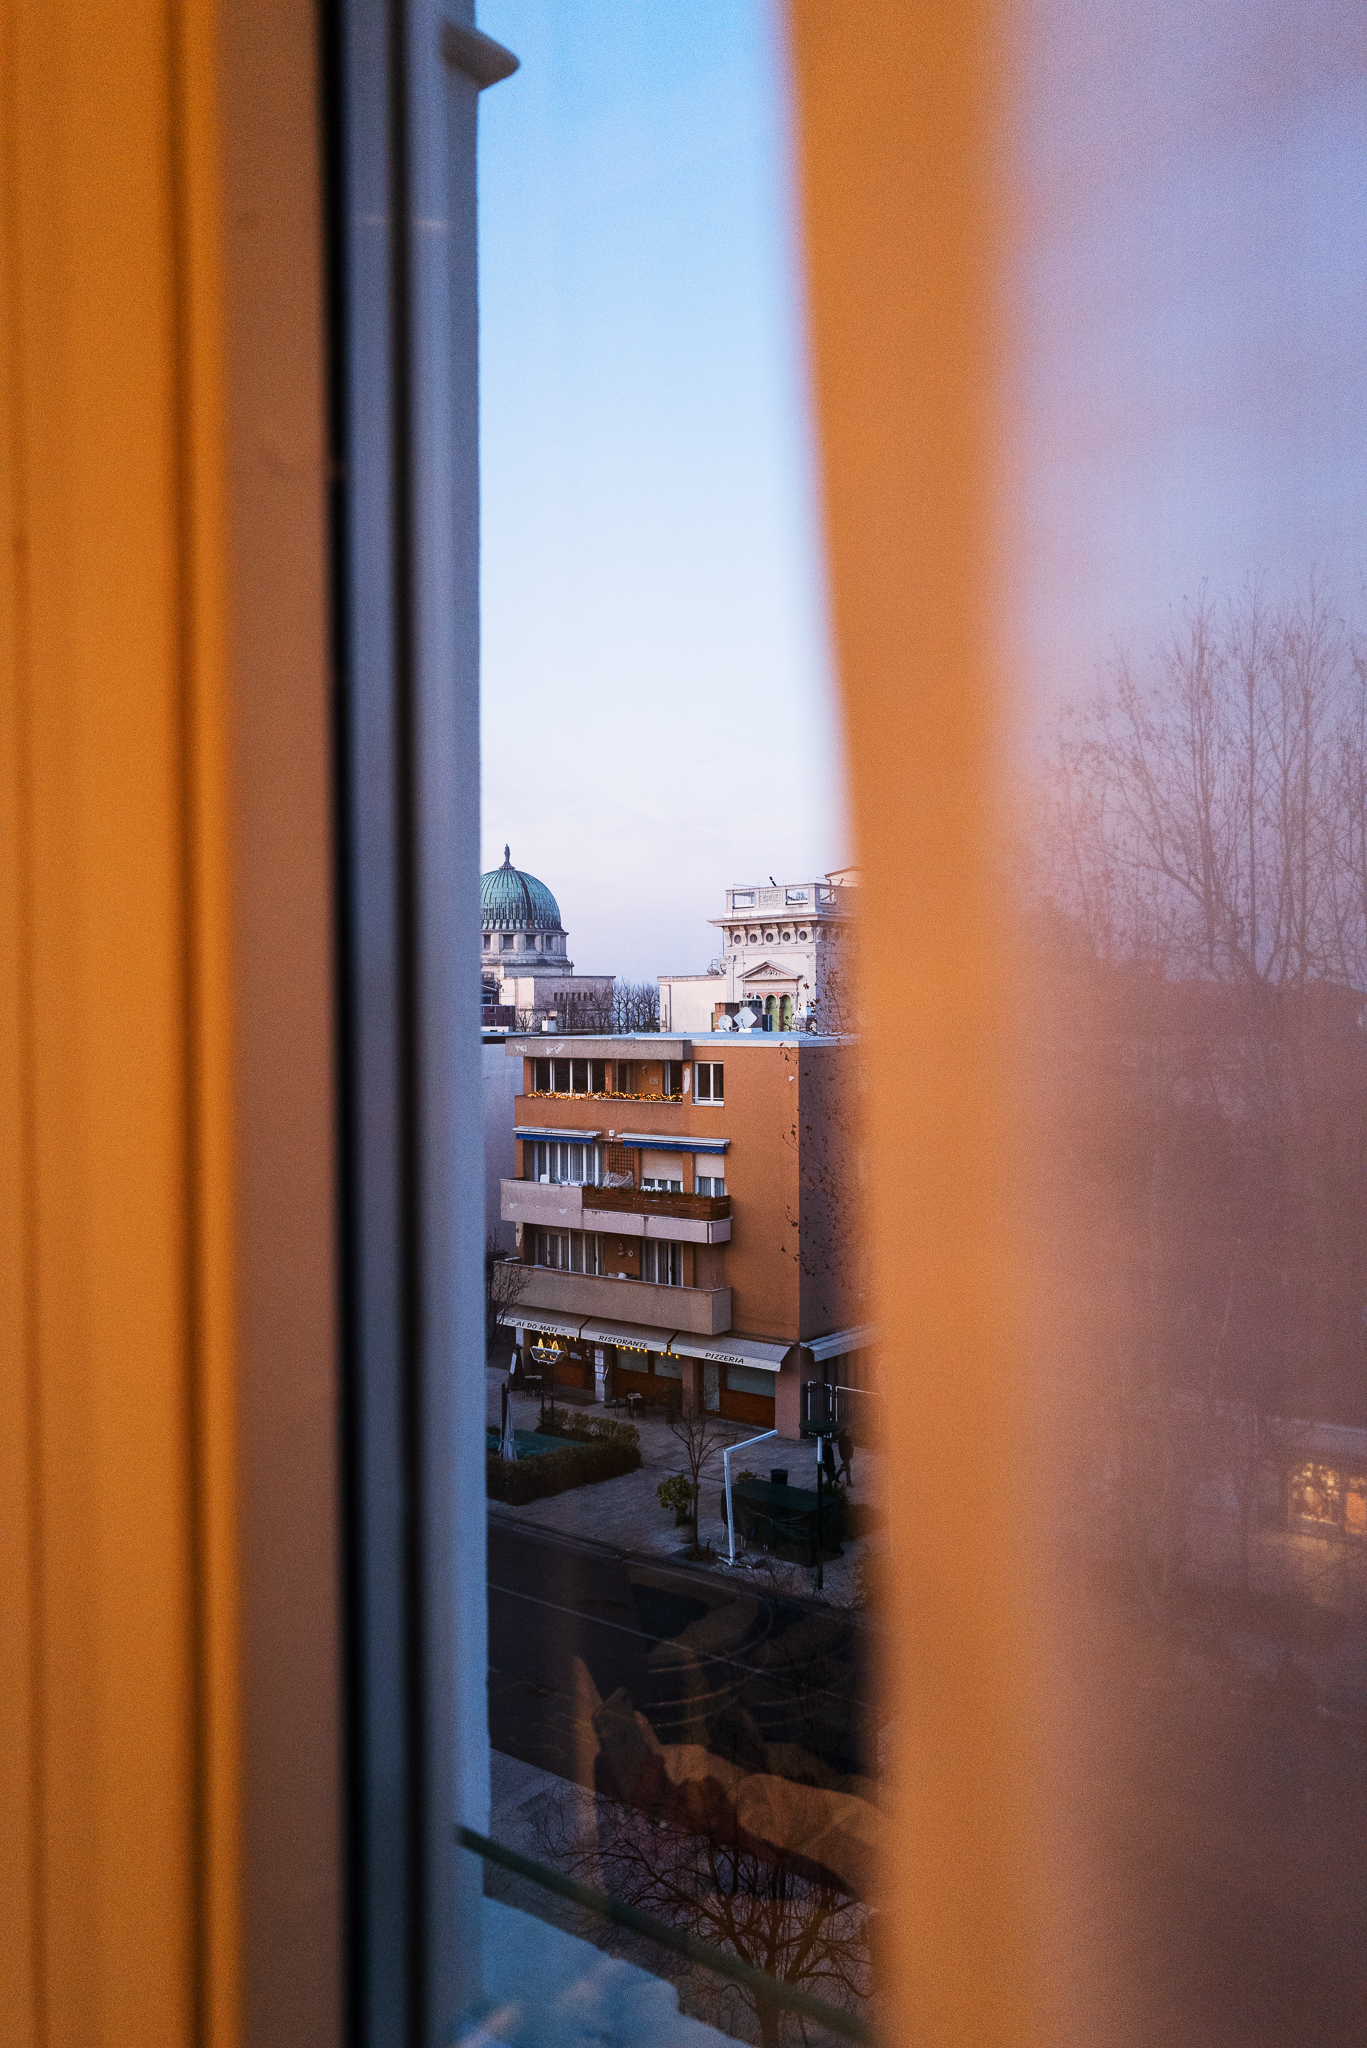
[783, 961]
[524, 953]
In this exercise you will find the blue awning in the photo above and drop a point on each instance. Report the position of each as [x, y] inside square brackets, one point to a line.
[652, 1141]
[569, 1137]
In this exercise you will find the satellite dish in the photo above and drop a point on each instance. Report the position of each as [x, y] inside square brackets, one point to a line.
[745, 1020]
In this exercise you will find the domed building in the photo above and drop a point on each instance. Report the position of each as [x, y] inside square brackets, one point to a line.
[526, 974]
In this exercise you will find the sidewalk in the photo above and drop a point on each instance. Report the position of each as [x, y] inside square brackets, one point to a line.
[625, 1513]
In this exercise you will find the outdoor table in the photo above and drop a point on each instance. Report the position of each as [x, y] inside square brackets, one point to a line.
[784, 1518]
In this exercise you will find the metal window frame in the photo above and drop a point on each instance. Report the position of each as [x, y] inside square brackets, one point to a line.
[402, 81]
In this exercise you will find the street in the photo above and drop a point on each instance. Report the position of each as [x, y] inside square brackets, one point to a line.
[764, 1681]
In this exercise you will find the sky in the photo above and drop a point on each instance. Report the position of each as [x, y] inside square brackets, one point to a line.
[657, 705]
[1189, 316]
[1185, 407]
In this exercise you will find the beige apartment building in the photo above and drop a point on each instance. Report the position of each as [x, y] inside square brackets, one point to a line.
[686, 1211]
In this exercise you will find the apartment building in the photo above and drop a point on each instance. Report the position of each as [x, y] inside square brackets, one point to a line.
[783, 948]
[686, 1210]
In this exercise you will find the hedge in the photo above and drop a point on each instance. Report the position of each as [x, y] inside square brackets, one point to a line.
[578, 1464]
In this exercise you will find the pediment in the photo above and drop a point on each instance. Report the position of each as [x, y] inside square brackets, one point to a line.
[767, 971]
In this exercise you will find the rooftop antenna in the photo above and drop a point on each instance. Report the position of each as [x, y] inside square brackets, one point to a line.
[772, 882]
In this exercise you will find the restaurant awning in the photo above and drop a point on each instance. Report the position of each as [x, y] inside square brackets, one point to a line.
[632, 1336]
[841, 1341]
[732, 1349]
[540, 1319]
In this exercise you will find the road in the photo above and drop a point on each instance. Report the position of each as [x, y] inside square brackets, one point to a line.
[767, 1682]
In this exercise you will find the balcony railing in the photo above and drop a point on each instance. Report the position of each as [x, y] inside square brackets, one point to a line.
[591, 1095]
[650, 1202]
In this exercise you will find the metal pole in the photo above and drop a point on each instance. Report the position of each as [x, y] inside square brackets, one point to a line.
[820, 1572]
[726, 1470]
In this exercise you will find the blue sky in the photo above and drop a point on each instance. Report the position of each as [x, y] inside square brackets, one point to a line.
[657, 701]
[1188, 312]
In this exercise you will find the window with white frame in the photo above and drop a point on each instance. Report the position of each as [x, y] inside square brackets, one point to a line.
[708, 1081]
[662, 1262]
[708, 1184]
[659, 1184]
[567, 1164]
[567, 1251]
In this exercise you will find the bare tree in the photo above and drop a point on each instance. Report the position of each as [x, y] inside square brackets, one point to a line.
[770, 1908]
[1201, 874]
[505, 1285]
[703, 1436]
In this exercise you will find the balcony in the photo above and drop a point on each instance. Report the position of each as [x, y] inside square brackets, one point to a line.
[699, 1311]
[631, 1212]
[552, 1205]
[642, 1212]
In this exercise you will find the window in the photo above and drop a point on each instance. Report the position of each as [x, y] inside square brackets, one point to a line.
[486, 942]
[673, 1078]
[802, 934]
[795, 896]
[743, 899]
[787, 938]
[660, 1186]
[768, 938]
[626, 1076]
[707, 1081]
[564, 1165]
[704, 1184]
[531, 941]
[662, 1262]
[579, 1077]
[754, 938]
[506, 942]
[562, 1076]
[735, 938]
[541, 1077]
[748, 1379]
[567, 1251]
[1328, 1499]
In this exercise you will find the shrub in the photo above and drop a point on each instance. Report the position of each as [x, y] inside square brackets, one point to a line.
[676, 1493]
[578, 1428]
[578, 1464]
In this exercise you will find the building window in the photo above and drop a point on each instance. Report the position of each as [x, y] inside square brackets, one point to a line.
[567, 1251]
[625, 1076]
[662, 1262]
[748, 1379]
[531, 941]
[662, 1187]
[768, 938]
[795, 895]
[754, 938]
[708, 1076]
[673, 1078]
[705, 1185]
[1328, 1499]
[506, 942]
[802, 935]
[735, 939]
[486, 942]
[742, 899]
[787, 938]
[564, 1165]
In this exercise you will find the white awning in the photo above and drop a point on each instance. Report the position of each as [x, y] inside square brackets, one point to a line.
[537, 1131]
[633, 1336]
[836, 1346]
[540, 1319]
[731, 1349]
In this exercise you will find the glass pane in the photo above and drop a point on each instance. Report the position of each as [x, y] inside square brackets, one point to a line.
[680, 1701]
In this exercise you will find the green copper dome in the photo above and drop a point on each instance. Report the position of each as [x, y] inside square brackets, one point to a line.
[510, 901]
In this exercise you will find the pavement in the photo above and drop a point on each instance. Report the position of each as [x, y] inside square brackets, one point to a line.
[625, 1514]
